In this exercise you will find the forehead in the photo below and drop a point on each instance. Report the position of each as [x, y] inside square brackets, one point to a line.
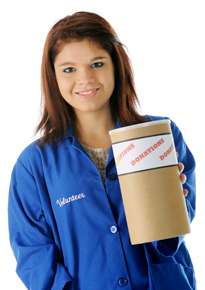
[80, 50]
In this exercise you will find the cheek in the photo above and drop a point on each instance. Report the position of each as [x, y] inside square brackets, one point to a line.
[108, 80]
[65, 86]
[112, 77]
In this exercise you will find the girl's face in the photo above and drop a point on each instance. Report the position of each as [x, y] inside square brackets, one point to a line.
[85, 76]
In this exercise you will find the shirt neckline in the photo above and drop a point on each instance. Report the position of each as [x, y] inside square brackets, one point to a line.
[96, 149]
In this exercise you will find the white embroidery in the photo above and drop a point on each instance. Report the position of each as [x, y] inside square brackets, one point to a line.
[63, 201]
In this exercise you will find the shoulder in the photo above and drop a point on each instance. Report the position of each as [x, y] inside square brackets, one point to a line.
[34, 155]
[175, 130]
[29, 156]
[37, 157]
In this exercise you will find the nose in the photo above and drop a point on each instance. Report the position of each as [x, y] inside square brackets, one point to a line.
[84, 77]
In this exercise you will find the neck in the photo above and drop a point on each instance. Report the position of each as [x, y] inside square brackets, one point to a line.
[92, 129]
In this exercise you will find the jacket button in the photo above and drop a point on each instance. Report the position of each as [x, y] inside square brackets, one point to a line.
[113, 229]
[123, 282]
[112, 176]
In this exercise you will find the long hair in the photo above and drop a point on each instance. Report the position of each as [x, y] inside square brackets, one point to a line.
[57, 114]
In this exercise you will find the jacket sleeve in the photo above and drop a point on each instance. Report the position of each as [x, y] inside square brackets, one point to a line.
[170, 247]
[38, 263]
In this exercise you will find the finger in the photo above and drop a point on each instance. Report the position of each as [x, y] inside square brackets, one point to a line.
[181, 167]
[183, 178]
[185, 192]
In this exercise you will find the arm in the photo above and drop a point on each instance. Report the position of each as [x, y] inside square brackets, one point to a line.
[38, 263]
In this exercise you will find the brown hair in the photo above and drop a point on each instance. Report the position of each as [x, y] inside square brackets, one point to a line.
[57, 114]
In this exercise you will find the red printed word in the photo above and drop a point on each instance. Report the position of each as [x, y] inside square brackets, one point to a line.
[167, 152]
[130, 147]
[147, 152]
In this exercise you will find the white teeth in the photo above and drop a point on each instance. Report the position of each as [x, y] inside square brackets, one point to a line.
[87, 93]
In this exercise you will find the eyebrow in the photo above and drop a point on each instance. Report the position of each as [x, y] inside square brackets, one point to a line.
[95, 58]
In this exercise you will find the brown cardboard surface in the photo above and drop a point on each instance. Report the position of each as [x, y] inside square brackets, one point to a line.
[153, 199]
[140, 132]
[154, 205]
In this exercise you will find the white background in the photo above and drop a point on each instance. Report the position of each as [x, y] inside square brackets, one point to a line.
[166, 44]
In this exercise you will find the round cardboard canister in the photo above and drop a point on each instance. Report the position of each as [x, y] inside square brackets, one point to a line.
[150, 185]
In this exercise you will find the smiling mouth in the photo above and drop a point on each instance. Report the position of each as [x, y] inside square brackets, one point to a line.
[87, 92]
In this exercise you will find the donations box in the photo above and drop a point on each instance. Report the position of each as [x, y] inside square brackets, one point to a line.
[152, 192]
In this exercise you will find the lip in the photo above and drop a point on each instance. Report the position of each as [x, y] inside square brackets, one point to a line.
[87, 96]
[84, 91]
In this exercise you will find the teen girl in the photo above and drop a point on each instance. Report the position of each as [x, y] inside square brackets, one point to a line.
[66, 218]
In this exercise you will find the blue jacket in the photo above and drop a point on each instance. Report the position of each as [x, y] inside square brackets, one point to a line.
[64, 227]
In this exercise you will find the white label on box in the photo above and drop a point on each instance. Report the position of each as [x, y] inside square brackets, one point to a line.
[145, 153]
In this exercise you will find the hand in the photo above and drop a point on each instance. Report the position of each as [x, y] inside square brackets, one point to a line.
[182, 176]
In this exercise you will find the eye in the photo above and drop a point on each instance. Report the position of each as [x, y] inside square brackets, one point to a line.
[69, 70]
[97, 64]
